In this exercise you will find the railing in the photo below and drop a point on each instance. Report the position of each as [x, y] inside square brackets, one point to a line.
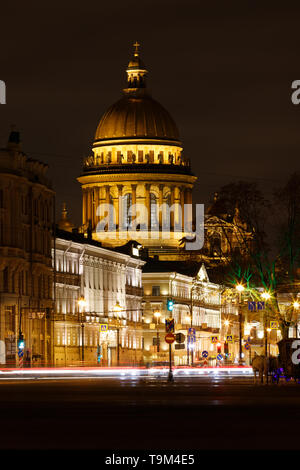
[134, 290]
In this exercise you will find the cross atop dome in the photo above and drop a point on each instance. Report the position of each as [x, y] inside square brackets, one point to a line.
[136, 46]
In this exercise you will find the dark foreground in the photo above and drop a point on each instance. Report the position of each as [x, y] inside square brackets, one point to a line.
[148, 413]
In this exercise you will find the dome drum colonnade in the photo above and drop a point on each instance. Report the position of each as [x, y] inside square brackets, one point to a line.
[137, 159]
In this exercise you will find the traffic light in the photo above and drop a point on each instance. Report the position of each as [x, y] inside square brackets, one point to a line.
[21, 342]
[170, 305]
[219, 348]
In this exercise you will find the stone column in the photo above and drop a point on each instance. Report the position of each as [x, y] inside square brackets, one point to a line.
[172, 212]
[177, 215]
[84, 204]
[182, 191]
[189, 211]
[119, 211]
[148, 204]
[107, 201]
[160, 203]
[97, 202]
[133, 200]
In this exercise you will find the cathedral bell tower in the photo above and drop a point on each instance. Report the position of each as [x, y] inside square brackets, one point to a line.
[137, 181]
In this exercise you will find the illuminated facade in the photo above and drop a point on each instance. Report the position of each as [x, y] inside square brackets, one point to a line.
[137, 162]
[26, 221]
[193, 295]
[110, 285]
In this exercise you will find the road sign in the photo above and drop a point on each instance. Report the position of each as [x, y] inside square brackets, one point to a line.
[180, 338]
[170, 325]
[274, 325]
[229, 339]
[255, 306]
[192, 331]
[103, 327]
[219, 357]
[170, 338]
[214, 339]
[180, 346]
[247, 346]
[20, 353]
[204, 354]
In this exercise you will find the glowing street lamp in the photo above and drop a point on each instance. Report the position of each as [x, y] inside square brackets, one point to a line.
[266, 295]
[118, 309]
[82, 302]
[157, 315]
[82, 305]
[240, 288]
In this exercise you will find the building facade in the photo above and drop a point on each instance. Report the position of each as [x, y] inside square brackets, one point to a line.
[197, 305]
[26, 222]
[98, 294]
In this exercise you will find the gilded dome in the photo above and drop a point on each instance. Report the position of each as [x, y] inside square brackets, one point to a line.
[136, 116]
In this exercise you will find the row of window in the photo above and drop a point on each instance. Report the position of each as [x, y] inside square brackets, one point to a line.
[21, 283]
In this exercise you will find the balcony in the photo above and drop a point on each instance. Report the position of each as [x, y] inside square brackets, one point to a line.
[133, 290]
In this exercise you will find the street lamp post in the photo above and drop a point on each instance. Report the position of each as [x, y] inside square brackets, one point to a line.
[157, 316]
[240, 288]
[266, 296]
[82, 304]
[118, 309]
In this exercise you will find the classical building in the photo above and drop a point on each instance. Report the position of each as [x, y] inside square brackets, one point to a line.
[197, 305]
[137, 172]
[26, 221]
[98, 294]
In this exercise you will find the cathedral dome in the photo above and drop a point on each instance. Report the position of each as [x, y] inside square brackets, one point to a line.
[137, 117]
[137, 114]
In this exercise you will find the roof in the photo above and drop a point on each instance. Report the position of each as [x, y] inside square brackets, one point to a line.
[137, 117]
[190, 269]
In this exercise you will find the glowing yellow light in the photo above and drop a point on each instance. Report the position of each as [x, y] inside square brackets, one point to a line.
[188, 318]
[266, 295]
[296, 304]
[226, 322]
[268, 330]
[117, 307]
[240, 287]
[82, 302]
[157, 314]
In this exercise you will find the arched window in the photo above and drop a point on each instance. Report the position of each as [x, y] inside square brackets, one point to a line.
[215, 245]
[154, 211]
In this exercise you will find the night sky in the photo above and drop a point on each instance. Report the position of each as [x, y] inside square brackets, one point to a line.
[222, 69]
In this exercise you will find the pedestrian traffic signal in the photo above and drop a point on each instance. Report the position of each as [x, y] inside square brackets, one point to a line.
[170, 305]
[21, 342]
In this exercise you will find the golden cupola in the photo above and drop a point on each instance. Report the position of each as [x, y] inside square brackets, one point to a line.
[136, 155]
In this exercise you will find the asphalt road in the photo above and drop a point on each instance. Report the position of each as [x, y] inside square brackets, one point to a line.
[148, 413]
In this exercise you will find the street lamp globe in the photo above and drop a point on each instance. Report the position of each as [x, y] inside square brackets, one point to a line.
[239, 287]
[296, 304]
[82, 302]
[117, 307]
[266, 295]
